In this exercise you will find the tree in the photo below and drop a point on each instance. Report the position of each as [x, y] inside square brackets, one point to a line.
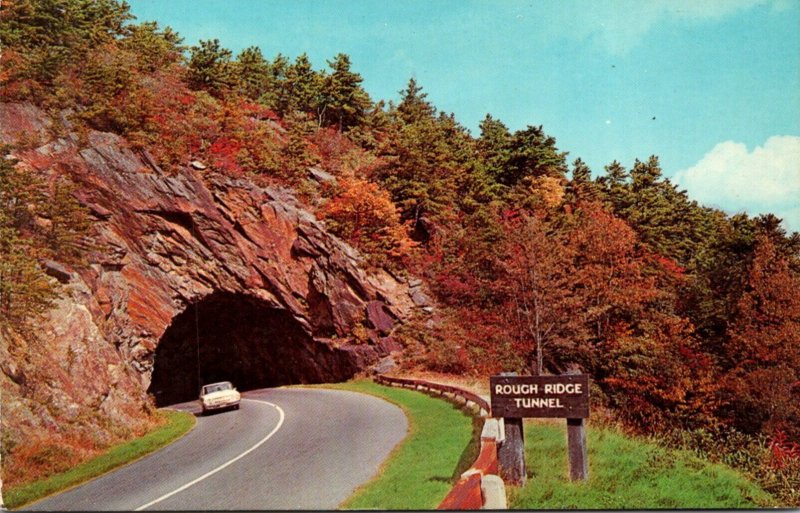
[155, 48]
[426, 161]
[581, 189]
[210, 67]
[48, 35]
[345, 103]
[364, 215]
[413, 105]
[532, 153]
[762, 346]
[24, 288]
[297, 156]
[539, 277]
[252, 73]
[301, 89]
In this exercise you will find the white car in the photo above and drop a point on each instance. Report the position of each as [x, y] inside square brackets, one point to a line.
[217, 396]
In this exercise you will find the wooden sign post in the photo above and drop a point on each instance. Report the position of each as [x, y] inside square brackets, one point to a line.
[564, 396]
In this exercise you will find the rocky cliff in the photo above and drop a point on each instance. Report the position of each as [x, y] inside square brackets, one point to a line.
[190, 277]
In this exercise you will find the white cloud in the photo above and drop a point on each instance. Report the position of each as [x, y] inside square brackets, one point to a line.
[764, 180]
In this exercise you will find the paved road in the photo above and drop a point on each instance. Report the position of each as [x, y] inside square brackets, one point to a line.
[283, 449]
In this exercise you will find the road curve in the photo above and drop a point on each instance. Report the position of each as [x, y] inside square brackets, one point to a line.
[283, 449]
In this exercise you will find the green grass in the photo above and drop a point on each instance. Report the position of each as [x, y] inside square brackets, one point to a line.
[422, 469]
[627, 473]
[178, 423]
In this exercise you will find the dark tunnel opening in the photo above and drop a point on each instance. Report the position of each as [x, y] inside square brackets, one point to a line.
[241, 339]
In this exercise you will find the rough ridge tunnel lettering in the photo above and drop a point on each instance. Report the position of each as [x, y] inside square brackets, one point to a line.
[540, 396]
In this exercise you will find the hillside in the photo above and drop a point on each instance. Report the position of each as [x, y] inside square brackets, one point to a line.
[158, 200]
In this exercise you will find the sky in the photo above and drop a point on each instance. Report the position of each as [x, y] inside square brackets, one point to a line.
[712, 87]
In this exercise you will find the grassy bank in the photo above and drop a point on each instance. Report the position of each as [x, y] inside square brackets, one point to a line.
[627, 473]
[177, 423]
[422, 468]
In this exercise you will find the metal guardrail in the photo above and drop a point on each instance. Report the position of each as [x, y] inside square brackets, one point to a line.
[468, 396]
[479, 487]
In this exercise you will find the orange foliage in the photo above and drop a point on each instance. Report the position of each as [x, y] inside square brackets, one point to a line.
[363, 214]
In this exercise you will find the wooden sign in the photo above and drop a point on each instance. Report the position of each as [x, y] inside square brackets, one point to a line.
[565, 396]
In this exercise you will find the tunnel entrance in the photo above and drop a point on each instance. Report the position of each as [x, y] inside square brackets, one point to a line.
[241, 339]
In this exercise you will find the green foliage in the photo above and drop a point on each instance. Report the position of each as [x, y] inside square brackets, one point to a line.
[297, 155]
[426, 159]
[344, 101]
[45, 36]
[210, 67]
[153, 47]
[24, 288]
[252, 73]
[301, 90]
[37, 222]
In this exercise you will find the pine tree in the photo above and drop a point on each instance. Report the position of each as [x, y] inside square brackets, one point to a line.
[413, 106]
[66, 236]
[494, 147]
[210, 67]
[48, 35]
[252, 72]
[581, 188]
[24, 288]
[532, 154]
[153, 47]
[345, 103]
[302, 88]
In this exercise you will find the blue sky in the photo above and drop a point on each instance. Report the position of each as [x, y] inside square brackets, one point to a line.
[711, 87]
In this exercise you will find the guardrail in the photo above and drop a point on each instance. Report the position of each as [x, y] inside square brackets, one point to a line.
[468, 396]
[480, 486]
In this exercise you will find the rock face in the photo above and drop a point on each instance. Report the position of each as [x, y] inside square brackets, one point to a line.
[192, 277]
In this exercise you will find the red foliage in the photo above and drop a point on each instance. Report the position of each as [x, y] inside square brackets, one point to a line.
[223, 155]
[782, 451]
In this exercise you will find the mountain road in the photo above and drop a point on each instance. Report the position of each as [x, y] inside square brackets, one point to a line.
[285, 448]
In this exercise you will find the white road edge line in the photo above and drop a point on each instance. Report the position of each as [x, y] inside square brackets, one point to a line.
[234, 460]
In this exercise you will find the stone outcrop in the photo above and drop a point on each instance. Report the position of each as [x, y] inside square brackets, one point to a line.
[165, 244]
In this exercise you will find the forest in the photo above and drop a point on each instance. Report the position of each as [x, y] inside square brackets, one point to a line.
[687, 318]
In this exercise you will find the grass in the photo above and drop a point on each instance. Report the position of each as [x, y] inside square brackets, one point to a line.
[626, 473]
[422, 469]
[177, 424]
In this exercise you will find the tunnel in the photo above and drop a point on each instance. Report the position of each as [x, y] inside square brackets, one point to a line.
[241, 339]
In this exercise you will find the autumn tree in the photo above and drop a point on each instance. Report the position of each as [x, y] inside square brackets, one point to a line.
[764, 362]
[539, 277]
[364, 215]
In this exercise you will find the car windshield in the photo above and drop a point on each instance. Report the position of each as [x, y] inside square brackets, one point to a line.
[217, 387]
